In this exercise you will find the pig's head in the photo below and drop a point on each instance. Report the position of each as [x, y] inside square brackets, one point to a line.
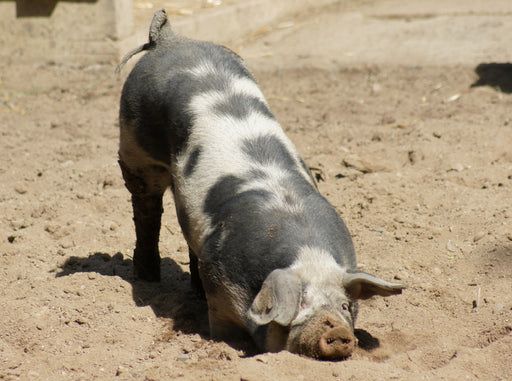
[310, 307]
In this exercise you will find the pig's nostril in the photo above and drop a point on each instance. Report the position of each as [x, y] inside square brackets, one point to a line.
[332, 340]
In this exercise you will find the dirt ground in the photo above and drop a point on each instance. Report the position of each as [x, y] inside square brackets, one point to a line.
[416, 158]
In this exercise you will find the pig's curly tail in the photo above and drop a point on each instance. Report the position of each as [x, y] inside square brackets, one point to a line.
[159, 20]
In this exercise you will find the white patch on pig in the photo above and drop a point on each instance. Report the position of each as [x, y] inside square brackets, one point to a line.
[203, 69]
[235, 83]
[220, 137]
[282, 196]
[322, 278]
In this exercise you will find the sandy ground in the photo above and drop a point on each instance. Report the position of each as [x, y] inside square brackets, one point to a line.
[414, 151]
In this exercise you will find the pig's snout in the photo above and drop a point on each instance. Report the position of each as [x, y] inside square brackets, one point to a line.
[336, 343]
[325, 337]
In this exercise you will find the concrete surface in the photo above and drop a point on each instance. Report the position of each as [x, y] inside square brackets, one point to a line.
[225, 23]
[79, 32]
[97, 31]
[437, 32]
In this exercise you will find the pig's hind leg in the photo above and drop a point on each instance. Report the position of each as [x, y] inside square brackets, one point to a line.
[147, 186]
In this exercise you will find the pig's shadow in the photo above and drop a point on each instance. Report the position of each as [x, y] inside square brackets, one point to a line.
[366, 341]
[171, 298]
[494, 74]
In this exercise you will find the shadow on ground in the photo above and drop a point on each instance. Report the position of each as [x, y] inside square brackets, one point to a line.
[497, 75]
[171, 298]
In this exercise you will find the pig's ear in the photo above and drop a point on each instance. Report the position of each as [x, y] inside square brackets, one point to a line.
[278, 299]
[361, 285]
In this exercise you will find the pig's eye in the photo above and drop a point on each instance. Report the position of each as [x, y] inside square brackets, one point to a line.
[345, 307]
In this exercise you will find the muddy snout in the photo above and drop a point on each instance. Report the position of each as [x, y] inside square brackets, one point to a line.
[336, 343]
[327, 337]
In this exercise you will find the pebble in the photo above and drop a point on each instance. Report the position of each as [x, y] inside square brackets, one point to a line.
[479, 235]
[120, 370]
[362, 165]
[451, 247]
[458, 167]
[66, 243]
[21, 189]
[18, 224]
[379, 229]
[183, 357]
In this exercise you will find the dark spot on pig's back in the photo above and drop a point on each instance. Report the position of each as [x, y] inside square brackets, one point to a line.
[192, 161]
[221, 192]
[240, 106]
[268, 150]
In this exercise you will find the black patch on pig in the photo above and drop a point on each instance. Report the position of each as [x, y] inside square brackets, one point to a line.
[156, 95]
[192, 161]
[241, 106]
[268, 150]
[224, 190]
[250, 240]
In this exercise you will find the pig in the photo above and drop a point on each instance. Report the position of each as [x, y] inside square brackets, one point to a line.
[273, 257]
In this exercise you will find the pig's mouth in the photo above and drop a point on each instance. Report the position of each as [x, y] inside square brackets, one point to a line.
[325, 337]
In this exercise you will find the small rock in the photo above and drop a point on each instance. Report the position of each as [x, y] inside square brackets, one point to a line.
[364, 166]
[454, 97]
[379, 229]
[21, 189]
[479, 235]
[120, 370]
[66, 243]
[183, 357]
[451, 247]
[458, 167]
[18, 224]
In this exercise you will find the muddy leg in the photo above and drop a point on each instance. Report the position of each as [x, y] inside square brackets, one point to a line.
[195, 280]
[147, 213]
